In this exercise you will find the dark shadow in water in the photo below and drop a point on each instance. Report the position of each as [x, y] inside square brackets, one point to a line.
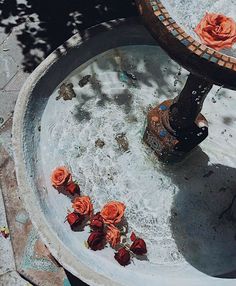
[203, 219]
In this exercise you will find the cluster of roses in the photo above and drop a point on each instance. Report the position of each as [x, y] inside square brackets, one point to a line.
[106, 225]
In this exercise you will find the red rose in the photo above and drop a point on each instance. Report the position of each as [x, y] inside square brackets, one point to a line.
[72, 188]
[139, 247]
[96, 222]
[74, 219]
[122, 256]
[96, 240]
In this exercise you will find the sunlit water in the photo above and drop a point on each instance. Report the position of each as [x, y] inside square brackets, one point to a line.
[113, 103]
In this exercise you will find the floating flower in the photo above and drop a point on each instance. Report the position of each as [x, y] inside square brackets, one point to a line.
[60, 177]
[122, 256]
[72, 188]
[217, 31]
[113, 212]
[113, 235]
[83, 205]
[97, 222]
[138, 246]
[96, 240]
[74, 219]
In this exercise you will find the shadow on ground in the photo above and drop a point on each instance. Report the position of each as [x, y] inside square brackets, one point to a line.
[44, 25]
[74, 281]
[203, 217]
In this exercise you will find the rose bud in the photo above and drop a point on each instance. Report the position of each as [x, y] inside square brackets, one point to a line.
[96, 222]
[122, 256]
[139, 247]
[96, 240]
[74, 219]
[72, 188]
[133, 236]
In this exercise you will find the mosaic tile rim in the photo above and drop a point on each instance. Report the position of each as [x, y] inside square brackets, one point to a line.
[191, 44]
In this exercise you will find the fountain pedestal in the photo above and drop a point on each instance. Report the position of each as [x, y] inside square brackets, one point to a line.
[173, 132]
[175, 127]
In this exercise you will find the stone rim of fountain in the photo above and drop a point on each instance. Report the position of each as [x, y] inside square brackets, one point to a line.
[70, 262]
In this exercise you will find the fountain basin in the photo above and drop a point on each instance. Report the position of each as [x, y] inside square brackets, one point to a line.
[178, 207]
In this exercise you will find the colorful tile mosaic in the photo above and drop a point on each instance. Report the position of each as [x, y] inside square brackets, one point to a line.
[193, 46]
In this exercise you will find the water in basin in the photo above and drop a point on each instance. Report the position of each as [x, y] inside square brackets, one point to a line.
[176, 209]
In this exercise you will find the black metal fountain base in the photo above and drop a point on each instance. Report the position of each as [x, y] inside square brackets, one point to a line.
[175, 127]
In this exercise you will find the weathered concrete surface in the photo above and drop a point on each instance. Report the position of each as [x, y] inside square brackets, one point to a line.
[7, 259]
[13, 278]
[22, 251]
[31, 257]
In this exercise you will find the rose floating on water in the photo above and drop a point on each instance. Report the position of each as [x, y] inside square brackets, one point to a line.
[113, 235]
[96, 240]
[104, 225]
[74, 220]
[97, 222]
[60, 177]
[61, 180]
[122, 256]
[217, 31]
[83, 205]
[138, 246]
[113, 212]
[72, 188]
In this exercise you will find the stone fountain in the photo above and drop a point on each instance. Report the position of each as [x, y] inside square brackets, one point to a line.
[86, 107]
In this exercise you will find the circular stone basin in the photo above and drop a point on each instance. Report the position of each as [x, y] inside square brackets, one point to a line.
[180, 211]
[188, 13]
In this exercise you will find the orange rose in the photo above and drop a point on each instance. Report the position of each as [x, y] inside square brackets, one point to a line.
[217, 31]
[113, 212]
[113, 235]
[83, 205]
[60, 177]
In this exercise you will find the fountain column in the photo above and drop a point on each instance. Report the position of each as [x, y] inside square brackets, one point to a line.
[175, 127]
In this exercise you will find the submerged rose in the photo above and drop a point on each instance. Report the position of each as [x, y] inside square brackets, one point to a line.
[113, 212]
[113, 235]
[60, 177]
[83, 205]
[217, 31]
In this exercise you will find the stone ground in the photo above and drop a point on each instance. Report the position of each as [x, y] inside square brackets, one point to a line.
[22, 254]
[29, 31]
